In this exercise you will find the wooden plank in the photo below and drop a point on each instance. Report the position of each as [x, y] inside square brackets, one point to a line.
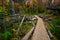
[28, 34]
[21, 23]
[40, 32]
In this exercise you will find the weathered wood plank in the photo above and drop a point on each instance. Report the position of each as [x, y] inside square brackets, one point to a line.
[40, 32]
[28, 34]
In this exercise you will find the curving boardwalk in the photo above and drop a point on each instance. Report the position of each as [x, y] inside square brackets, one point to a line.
[40, 32]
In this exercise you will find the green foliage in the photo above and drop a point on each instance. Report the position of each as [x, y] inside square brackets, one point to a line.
[58, 7]
[41, 9]
[16, 10]
[1, 14]
[55, 29]
[56, 21]
[5, 35]
[7, 24]
[24, 29]
[34, 10]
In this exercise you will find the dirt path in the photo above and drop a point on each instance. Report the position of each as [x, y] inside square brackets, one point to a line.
[40, 32]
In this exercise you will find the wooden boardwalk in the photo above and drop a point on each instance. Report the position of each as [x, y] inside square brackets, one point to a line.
[28, 34]
[40, 32]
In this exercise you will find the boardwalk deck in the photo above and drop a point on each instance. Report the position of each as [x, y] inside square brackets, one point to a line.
[40, 32]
